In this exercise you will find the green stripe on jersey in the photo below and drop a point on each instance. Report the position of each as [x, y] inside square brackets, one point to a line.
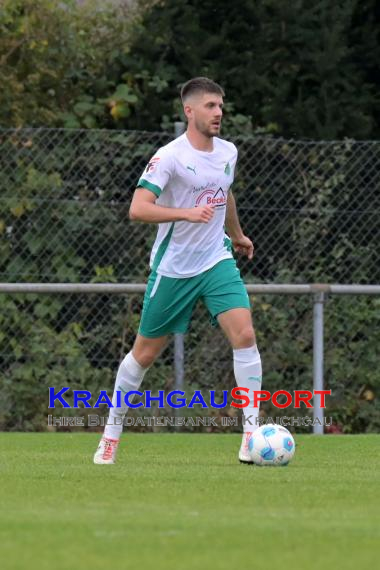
[227, 244]
[162, 248]
[149, 186]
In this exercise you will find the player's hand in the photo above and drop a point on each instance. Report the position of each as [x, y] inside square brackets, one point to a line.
[200, 214]
[244, 246]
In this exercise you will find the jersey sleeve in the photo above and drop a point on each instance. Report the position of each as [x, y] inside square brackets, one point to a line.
[234, 161]
[157, 173]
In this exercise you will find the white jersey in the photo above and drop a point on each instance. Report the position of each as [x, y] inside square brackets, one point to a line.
[183, 177]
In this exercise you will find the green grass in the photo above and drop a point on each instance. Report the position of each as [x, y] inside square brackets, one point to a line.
[184, 502]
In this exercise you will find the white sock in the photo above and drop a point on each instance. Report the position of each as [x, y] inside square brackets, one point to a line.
[129, 377]
[248, 374]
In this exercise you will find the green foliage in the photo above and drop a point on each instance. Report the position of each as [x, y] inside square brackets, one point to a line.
[35, 357]
[350, 347]
[63, 218]
[351, 368]
[323, 215]
[290, 67]
[60, 63]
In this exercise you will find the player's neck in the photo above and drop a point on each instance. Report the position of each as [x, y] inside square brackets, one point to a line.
[200, 141]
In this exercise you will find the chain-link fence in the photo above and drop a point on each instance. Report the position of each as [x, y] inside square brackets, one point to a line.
[311, 208]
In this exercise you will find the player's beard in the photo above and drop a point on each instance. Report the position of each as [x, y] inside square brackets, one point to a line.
[206, 129]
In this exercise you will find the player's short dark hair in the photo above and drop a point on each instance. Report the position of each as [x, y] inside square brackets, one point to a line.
[200, 85]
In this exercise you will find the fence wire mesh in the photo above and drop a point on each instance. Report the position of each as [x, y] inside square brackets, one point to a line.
[311, 208]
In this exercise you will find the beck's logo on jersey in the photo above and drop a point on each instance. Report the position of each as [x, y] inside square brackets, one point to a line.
[216, 198]
[151, 166]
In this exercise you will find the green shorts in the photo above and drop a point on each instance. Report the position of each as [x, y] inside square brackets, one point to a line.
[169, 302]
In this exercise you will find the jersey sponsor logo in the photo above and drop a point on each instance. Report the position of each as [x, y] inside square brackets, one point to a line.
[208, 186]
[217, 199]
[192, 168]
[151, 166]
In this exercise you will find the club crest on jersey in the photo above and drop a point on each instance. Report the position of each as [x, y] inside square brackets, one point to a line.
[227, 169]
[215, 198]
[151, 166]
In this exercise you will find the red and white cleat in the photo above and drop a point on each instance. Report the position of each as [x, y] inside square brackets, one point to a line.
[106, 452]
[244, 456]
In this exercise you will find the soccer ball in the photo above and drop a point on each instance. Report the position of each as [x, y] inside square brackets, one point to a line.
[271, 444]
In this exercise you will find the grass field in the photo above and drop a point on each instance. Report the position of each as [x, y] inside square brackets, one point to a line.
[184, 502]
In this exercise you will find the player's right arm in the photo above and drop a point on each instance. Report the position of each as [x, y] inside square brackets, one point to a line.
[144, 209]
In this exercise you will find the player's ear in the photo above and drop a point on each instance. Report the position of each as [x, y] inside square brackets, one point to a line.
[187, 109]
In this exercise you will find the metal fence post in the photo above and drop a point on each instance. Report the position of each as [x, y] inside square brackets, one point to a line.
[318, 359]
[179, 128]
[179, 339]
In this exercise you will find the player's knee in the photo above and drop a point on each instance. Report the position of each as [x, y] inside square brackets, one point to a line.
[246, 337]
[145, 357]
[146, 350]
[146, 353]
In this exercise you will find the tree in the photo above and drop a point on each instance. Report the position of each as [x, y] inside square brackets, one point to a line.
[294, 67]
[59, 61]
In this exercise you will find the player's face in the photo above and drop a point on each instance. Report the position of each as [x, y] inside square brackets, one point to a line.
[206, 114]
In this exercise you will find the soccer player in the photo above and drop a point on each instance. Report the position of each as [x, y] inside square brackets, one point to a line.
[185, 188]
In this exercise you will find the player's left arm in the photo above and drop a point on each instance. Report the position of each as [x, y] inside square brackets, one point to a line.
[240, 242]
